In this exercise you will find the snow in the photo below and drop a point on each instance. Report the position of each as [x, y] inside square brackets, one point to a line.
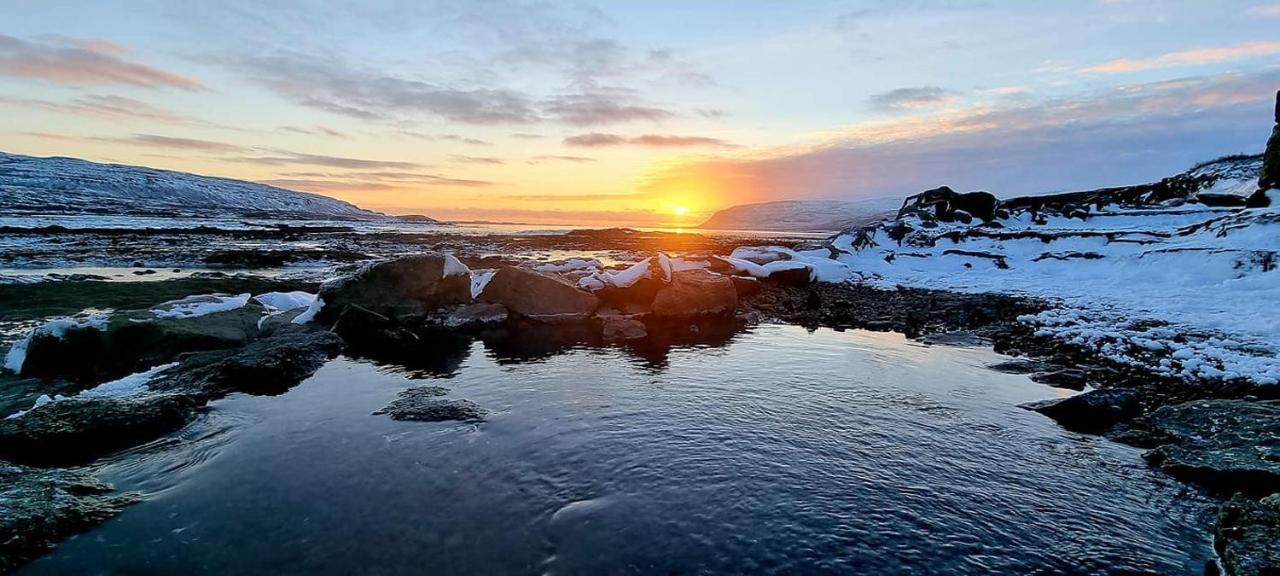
[310, 313]
[285, 301]
[627, 277]
[127, 386]
[570, 265]
[1211, 273]
[58, 328]
[480, 279]
[196, 306]
[454, 267]
[41, 401]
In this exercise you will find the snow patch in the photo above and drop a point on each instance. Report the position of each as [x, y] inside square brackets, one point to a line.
[127, 386]
[479, 280]
[196, 306]
[454, 267]
[17, 355]
[310, 313]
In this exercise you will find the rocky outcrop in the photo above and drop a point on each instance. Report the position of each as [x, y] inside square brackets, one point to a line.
[1247, 537]
[78, 430]
[264, 367]
[134, 341]
[41, 507]
[1092, 412]
[694, 293]
[539, 296]
[1225, 444]
[947, 205]
[408, 286]
[1270, 176]
[423, 404]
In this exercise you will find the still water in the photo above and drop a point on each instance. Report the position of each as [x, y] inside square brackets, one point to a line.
[774, 451]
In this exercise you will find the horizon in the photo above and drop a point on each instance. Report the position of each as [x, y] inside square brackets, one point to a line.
[609, 113]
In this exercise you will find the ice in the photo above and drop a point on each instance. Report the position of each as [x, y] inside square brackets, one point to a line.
[479, 280]
[276, 302]
[454, 267]
[310, 313]
[196, 306]
[570, 265]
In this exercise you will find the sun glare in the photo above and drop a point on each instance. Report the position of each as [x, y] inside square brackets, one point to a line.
[681, 210]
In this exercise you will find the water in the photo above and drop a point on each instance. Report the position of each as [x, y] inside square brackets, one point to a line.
[775, 451]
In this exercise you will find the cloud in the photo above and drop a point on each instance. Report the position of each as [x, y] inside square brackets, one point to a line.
[913, 98]
[576, 197]
[1266, 11]
[599, 140]
[285, 158]
[106, 106]
[446, 137]
[363, 182]
[1185, 58]
[476, 159]
[315, 131]
[1132, 134]
[560, 158]
[527, 136]
[597, 109]
[83, 62]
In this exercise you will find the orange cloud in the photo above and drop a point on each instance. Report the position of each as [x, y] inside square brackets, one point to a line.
[83, 63]
[1185, 58]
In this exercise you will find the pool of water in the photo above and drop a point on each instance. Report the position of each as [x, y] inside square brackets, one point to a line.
[777, 451]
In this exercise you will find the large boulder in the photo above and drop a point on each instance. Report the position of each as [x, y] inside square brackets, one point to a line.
[40, 507]
[635, 286]
[1092, 412]
[133, 341]
[407, 286]
[694, 293]
[1270, 176]
[1247, 536]
[422, 404]
[77, 430]
[1224, 444]
[539, 296]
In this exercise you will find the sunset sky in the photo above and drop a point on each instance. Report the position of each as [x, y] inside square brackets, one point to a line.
[653, 112]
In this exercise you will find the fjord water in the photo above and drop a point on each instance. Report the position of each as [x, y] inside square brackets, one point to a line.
[778, 451]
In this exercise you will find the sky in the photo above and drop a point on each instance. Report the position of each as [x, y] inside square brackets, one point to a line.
[647, 113]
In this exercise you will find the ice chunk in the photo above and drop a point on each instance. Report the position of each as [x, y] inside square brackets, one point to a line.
[196, 306]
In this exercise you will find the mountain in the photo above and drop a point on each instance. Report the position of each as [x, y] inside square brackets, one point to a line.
[31, 185]
[803, 215]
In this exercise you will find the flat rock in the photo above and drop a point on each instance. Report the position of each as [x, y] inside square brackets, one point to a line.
[266, 366]
[1092, 412]
[78, 430]
[1224, 444]
[618, 328]
[40, 507]
[423, 404]
[1247, 536]
[1069, 378]
[694, 293]
[412, 285]
[477, 315]
[539, 296]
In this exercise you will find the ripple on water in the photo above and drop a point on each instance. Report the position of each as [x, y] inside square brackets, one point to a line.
[778, 451]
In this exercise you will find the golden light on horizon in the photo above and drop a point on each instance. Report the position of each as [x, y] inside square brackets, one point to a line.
[680, 210]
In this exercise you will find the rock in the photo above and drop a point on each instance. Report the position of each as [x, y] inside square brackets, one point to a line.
[134, 341]
[791, 275]
[1270, 175]
[1092, 412]
[423, 405]
[264, 367]
[279, 322]
[693, 293]
[1069, 378]
[745, 287]
[618, 327]
[412, 285]
[1247, 536]
[41, 507]
[947, 205]
[1225, 444]
[1017, 366]
[78, 430]
[652, 277]
[476, 315]
[539, 296]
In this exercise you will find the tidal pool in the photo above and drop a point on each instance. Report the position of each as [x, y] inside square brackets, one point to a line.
[777, 450]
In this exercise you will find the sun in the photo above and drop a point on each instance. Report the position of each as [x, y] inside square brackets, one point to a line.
[681, 210]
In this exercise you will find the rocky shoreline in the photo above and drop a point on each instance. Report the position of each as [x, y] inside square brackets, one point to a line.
[1221, 437]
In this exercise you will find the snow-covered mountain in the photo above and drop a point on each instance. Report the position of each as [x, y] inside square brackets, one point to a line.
[44, 186]
[802, 215]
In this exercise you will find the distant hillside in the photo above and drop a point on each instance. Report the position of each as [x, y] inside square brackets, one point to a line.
[30, 185]
[803, 215]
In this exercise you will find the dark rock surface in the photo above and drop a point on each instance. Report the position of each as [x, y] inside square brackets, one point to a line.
[1225, 444]
[411, 285]
[477, 315]
[423, 404]
[619, 327]
[539, 296]
[1247, 537]
[1270, 176]
[77, 430]
[694, 293]
[1093, 412]
[40, 507]
[135, 341]
[1069, 378]
[266, 366]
